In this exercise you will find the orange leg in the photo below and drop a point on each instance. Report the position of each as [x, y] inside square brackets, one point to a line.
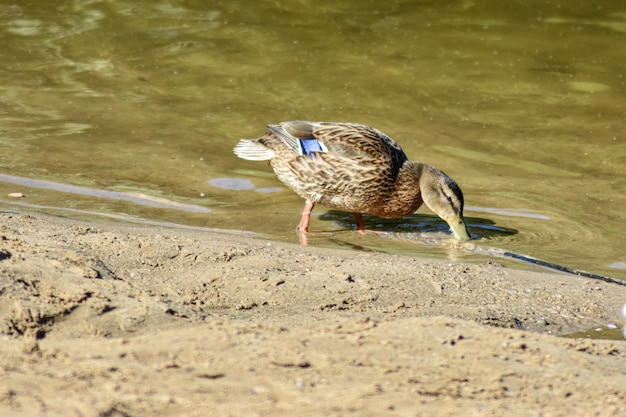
[360, 225]
[303, 226]
[306, 217]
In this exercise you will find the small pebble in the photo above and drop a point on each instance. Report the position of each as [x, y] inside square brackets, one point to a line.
[16, 195]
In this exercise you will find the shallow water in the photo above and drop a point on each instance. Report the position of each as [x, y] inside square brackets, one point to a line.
[609, 332]
[105, 105]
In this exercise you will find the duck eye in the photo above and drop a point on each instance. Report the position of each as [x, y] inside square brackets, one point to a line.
[449, 198]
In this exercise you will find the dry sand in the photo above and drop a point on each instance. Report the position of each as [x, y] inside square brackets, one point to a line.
[118, 320]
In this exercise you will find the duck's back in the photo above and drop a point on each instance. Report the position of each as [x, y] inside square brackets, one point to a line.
[342, 165]
[348, 140]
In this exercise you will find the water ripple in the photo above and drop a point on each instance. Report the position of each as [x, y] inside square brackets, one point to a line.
[136, 198]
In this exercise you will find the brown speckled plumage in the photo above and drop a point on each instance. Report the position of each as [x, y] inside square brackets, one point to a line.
[355, 168]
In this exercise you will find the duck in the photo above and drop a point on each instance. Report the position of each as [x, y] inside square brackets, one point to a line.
[354, 168]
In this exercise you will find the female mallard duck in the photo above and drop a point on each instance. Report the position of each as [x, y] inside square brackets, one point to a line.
[354, 168]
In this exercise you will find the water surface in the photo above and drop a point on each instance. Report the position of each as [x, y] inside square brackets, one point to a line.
[523, 103]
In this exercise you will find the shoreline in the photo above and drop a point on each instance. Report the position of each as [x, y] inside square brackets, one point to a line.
[292, 329]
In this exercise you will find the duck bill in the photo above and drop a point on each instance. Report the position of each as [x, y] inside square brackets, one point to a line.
[457, 225]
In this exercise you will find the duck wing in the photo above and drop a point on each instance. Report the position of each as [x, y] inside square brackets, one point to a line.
[350, 141]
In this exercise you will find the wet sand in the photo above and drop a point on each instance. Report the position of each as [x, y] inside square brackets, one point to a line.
[100, 319]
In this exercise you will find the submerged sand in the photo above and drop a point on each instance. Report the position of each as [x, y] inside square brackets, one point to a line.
[122, 320]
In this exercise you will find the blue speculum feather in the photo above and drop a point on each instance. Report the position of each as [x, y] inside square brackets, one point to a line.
[310, 145]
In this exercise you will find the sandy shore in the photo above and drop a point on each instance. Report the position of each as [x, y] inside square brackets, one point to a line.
[119, 320]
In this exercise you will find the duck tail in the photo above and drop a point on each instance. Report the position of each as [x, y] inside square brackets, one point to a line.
[252, 150]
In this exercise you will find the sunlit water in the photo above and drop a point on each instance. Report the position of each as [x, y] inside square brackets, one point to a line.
[133, 108]
[609, 332]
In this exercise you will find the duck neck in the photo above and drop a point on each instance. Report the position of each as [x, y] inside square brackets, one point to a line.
[406, 196]
[426, 179]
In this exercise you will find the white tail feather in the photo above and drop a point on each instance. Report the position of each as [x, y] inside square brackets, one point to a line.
[253, 151]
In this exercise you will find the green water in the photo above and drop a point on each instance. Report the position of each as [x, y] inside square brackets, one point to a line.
[523, 103]
[612, 332]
